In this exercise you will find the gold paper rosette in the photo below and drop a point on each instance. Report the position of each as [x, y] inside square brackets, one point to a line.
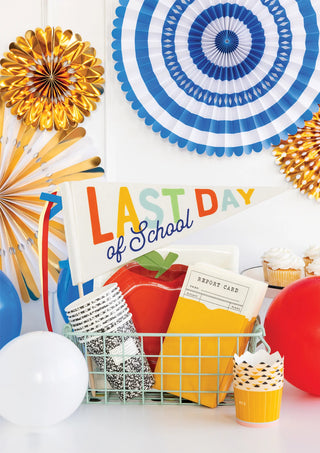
[32, 162]
[299, 158]
[51, 78]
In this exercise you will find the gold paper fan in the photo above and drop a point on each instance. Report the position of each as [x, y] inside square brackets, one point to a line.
[32, 162]
[51, 78]
[299, 158]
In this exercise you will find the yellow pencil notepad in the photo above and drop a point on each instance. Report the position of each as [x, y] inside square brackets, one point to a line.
[212, 301]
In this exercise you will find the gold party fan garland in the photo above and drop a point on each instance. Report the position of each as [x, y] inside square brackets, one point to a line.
[51, 79]
[299, 158]
[26, 170]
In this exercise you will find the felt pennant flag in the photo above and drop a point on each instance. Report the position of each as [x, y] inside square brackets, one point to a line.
[109, 224]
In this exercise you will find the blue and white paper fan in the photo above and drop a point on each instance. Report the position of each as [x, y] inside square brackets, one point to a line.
[220, 77]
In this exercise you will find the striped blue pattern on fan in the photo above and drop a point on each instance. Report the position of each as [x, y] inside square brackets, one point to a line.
[222, 78]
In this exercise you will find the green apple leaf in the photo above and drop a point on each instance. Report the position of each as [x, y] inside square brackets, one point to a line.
[153, 261]
[168, 261]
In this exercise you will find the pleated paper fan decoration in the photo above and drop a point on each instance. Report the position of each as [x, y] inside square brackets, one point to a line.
[299, 158]
[222, 78]
[32, 162]
[51, 78]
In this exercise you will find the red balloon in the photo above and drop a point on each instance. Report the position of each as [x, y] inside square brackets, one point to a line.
[292, 327]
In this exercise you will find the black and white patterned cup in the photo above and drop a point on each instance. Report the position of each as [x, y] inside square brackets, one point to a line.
[99, 320]
[92, 311]
[103, 297]
[105, 303]
[119, 355]
[105, 326]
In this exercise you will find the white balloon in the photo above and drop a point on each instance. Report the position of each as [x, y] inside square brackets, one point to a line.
[43, 379]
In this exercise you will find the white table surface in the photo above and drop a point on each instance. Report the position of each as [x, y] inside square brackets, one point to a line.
[166, 429]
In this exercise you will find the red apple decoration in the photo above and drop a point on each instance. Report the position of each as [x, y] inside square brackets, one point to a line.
[151, 286]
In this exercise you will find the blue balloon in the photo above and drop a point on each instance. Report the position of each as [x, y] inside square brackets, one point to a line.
[10, 311]
[66, 292]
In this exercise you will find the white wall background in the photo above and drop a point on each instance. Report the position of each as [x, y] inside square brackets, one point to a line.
[132, 152]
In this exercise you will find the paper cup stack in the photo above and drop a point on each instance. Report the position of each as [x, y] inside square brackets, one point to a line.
[257, 384]
[104, 319]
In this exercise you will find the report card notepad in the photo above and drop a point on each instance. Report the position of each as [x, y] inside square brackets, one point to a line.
[212, 301]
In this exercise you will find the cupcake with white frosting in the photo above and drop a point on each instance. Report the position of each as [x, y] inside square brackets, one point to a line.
[313, 268]
[312, 253]
[285, 269]
[273, 254]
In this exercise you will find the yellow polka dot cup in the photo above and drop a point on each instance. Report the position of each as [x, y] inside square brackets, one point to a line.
[257, 385]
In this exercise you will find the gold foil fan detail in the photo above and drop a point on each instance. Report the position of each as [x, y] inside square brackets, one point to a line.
[32, 162]
[299, 158]
[51, 79]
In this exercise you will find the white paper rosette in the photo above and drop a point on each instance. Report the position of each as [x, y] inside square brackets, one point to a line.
[220, 77]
